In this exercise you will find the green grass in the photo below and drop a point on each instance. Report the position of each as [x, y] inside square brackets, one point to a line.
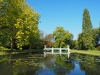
[6, 52]
[3, 53]
[37, 51]
[90, 52]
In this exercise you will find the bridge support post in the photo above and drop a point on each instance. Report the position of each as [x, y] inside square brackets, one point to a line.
[44, 50]
[60, 50]
[44, 54]
[52, 50]
[68, 51]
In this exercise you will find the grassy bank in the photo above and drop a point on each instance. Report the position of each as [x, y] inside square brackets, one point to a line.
[7, 52]
[40, 51]
[91, 52]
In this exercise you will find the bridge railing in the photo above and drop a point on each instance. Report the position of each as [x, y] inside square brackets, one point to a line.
[52, 50]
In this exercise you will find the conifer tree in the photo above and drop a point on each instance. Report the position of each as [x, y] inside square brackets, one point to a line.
[86, 24]
[86, 38]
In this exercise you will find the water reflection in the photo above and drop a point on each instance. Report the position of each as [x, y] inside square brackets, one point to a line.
[57, 65]
[89, 64]
[75, 64]
[19, 65]
[44, 71]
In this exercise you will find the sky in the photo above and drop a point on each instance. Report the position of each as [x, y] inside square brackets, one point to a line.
[65, 13]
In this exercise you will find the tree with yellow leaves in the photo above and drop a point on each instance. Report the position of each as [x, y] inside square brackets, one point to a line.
[18, 23]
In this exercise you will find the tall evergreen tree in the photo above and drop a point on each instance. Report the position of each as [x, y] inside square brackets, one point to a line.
[86, 38]
[86, 24]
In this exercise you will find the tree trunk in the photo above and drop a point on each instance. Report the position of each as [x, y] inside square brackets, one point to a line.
[30, 47]
[11, 43]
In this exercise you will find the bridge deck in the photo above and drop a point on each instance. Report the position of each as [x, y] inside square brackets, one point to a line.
[56, 53]
[56, 48]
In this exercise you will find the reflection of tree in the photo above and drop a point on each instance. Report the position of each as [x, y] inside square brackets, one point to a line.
[49, 61]
[19, 65]
[58, 64]
[90, 66]
[5, 66]
[23, 68]
[60, 70]
[88, 63]
[62, 66]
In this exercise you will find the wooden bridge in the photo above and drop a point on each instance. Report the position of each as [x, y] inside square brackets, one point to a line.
[56, 50]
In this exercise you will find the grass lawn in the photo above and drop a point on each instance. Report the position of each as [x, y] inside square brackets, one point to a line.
[6, 52]
[3, 53]
[38, 51]
[91, 52]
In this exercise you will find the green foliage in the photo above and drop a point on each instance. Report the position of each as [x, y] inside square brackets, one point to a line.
[96, 36]
[85, 39]
[3, 48]
[63, 37]
[18, 23]
[74, 44]
[86, 23]
[62, 66]
[89, 39]
[27, 27]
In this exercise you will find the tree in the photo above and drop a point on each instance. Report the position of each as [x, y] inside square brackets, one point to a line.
[18, 23]
[85, 39]
[28, 33]
[10, 11]
[63, 37]
[86, 23]
[49, 40]
[74, 44]
[96, 37]
[49, 37]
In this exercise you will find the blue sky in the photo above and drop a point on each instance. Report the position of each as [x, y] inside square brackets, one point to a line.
[65, 13]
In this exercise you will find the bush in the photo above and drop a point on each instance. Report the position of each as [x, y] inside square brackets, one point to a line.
[98, 48]
[3, 48]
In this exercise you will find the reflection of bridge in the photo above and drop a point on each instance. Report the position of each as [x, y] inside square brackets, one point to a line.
[56, 50]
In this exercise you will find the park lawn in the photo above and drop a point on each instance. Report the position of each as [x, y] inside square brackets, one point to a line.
[35, 51]
[90, 52]
[7, 52]
[3, 53]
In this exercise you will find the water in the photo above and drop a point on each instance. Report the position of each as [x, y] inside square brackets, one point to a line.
[37, 64]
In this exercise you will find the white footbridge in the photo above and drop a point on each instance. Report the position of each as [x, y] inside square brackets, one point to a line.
[56, 50]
